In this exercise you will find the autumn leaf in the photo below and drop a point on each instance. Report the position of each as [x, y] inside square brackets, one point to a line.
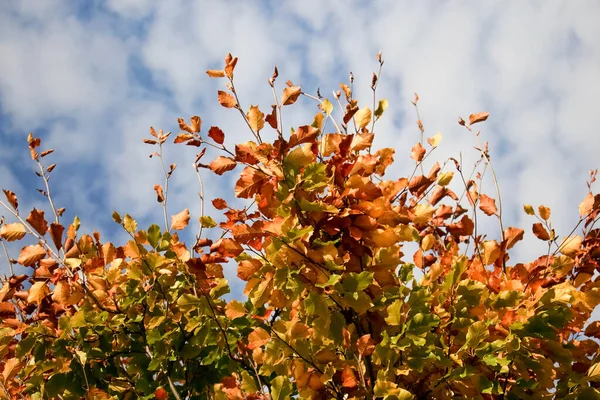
[363, 117]
[544, 212]
[491, 251]
[540, 232]
[586, 206]
[290, 95]
[129, 223]
[160, 197]
[247, 268]
[37, 221]
[271, 119]
[56, 233]
[256, 118]
[180, 220]
[417, 152]
[361, 141]
[214, 73]
[38, 292]
[250, 182]
[61, 292]
[435, 140]
[216, 134]
[348, 378]
[235, 309]
[31, 254]
[12, 232]
[226, 100]
[478, 117]
[257, 338]
[12, 198]
[327, 107]
[222, 164]
[570, 245]
[381, 107]
[487, 205]
[219, 204]
[11, 368]
[512, 236]
[365, 345]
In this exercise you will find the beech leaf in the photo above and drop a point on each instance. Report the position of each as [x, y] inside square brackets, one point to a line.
[487, 205]
[226, 100]
[256, 118]
[180, 220]
[478, 117]
[216, 134]
[12, 232]
[363, 117]
[540, 232]
[31, 254]
[222, 164]
[290, 95]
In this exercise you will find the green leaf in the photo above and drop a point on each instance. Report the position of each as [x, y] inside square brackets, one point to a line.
[281, 388]
[25, 346]
[207, 222]
[476, 334]
[129, 224]
[381, 107]
[394, 311]
[153, 235]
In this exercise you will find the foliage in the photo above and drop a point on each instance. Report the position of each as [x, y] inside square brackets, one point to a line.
[332, 307]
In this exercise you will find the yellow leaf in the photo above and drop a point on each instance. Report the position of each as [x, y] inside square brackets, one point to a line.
[301, 155]
[256, 118]
[384, 238]
[327, 106]
[129, 224]
[37, 292]
[528, 209]
[381, 107]
[594, 370]
[406, 233]
[423, 213]
[491, 251]
[12, 232]
[427, 242]
[435, 140]
[570, 245]
[445, 178]
[363, 117]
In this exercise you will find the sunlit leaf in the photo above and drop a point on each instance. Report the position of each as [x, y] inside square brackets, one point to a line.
[290, 95]
[540, 232]
[12, 232]
[38, 292]
[363, 117]
[180, 220]
[478, 117]
[226, 100]
[222, 164]
[256, 118]
[31, 254]
[381, 107]
[487, 205]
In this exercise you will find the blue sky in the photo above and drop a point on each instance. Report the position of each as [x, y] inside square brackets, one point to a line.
[91, 80]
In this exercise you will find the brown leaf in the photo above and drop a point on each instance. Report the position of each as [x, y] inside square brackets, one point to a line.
[12, 198]
[180, 221]
[216, 134]
[56, 232]
[62, 292]
[31, 254]
[222, 164]
[256, 118]
[540, 232]
[250, 182]
[478, 117]
[417, 152]
[593, 330]
[183, 126]
[196, 123]
[365, 345]
[227, 247]
[219, 204]
[160, 197]
[304, 134]
[226, 100]
[247, 268]
[37, 221]
[487, 205]
[348, 377]
[215, 73]
[290, 95]
[12, 232]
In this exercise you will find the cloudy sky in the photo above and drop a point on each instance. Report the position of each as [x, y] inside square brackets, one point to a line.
[90, 78]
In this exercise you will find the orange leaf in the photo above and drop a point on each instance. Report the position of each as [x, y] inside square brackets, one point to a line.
[257, 338]
[478, 117]
[61, 293]
[215, 73]
[31, 254]
[256, 118]
[290, 95]
[487, 205]
[540, 232]
[586, 206]
[37, 221]
[250, 182]
[227, 247]
[38, 292]
[365, 345]
[348, 377]
[226, 100]
[183, 126]
[222, 165]
[216, 134]
[12, 198]
[12, 232]
[512, 236]
[544, 212]
[234, 309]
[271, 119]
[160, 393]
[417, 152]
[304, 134]
[180, 221]
[11, 369]
[247, 268]
[361, 141]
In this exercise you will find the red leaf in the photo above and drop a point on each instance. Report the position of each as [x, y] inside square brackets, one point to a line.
[540, 232]
[216, 134]
[222, 165]
[304, 134]
[478, 117]
[219, 204]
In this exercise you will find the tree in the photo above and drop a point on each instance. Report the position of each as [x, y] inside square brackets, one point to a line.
[333, 309]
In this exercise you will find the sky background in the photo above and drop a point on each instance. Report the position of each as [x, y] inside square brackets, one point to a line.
[91, 77]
